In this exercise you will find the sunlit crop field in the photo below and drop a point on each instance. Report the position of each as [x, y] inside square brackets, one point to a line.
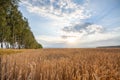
[61, 64]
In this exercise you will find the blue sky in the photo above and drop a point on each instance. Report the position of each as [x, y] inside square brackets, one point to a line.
[73, 23]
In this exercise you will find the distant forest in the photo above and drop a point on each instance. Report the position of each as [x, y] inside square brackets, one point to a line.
[15, 31]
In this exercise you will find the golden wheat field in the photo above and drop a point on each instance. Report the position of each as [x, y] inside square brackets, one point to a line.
[61, 64]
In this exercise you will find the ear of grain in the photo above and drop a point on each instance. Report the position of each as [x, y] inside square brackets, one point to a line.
[61, 64]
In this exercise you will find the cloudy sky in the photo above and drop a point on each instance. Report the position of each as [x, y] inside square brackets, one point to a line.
[73, 23]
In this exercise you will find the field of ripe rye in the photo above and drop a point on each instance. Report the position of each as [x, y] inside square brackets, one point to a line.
[61, 64]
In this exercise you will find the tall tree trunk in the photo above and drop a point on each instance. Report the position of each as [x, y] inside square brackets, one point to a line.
[1, 44]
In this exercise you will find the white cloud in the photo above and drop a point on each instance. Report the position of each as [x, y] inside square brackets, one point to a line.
[90, 33]
[67, 13]
[95, 28]
[99, 37]
[80, 39]
[63, 10]
[82, 29]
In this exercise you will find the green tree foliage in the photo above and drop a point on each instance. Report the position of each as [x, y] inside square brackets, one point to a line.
[14, 28]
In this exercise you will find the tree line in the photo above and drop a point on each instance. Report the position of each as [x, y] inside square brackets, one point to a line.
[15, 31]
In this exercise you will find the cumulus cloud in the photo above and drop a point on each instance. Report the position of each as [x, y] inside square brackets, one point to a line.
[67, 16]
[65, 36]
[87, 32]
[76, 27]
[83, 29]
[57, 9]
[50, 41]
